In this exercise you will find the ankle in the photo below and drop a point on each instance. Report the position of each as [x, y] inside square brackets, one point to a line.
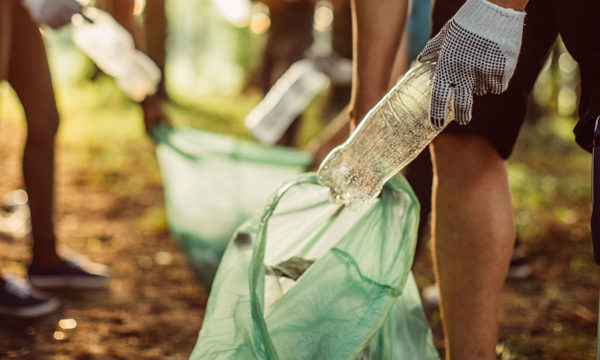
[46, 261]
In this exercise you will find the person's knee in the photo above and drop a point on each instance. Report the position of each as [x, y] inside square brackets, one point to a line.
[465, 158]
[42, 129]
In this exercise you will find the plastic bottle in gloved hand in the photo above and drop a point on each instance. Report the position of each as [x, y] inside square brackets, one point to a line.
[390, 136]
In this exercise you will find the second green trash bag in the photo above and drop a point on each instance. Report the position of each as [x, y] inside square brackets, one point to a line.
[213, 183]
[307, 279]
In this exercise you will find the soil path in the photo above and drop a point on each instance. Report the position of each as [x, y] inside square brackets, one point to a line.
[154, 306]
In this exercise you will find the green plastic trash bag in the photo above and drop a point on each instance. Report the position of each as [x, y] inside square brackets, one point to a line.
[213, 183]
[354, 297]
[405, 333]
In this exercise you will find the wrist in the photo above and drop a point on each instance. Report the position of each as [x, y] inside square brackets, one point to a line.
[491, 21]
[518, 5]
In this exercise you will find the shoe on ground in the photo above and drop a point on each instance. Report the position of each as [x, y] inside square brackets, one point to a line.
[74, 272]
[19, 300]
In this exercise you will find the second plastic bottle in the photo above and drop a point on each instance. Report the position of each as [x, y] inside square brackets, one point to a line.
[112, 48]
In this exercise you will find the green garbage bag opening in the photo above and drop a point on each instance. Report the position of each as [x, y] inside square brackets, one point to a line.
[213, 183]
[353, 297]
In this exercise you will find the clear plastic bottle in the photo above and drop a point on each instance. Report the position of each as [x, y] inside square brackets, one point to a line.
[390, 136]
[288, 98]
[112, 48]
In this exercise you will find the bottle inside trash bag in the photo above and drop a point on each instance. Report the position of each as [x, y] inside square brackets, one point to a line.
[112, 48]
[390, 136]
[288, 98]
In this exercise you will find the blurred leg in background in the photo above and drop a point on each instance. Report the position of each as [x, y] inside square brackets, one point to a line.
[16, 298]
[29, 75]
[124, 11]
[155, 28]
[338, 129]
[341, 45]
[288, 40]
[37, 97]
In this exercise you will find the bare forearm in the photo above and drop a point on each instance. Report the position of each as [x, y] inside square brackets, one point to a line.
[377, 30]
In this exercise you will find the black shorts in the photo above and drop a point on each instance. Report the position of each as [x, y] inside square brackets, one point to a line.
[498, 118]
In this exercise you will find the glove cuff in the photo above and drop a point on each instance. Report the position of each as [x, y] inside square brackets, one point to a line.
[501, 25]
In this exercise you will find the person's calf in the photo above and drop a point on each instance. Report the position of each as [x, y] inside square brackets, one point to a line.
[473, 236]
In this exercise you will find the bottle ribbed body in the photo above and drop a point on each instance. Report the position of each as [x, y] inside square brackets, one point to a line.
[390, 136]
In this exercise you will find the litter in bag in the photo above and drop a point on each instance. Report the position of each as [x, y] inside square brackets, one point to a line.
[213, 183]
[353, 295]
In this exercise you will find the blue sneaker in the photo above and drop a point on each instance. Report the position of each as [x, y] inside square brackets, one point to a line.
[74, 272]
[18, 299]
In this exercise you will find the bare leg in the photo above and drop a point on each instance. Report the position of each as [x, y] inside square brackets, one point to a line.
[30, 77]
[155, 29]
[122, 10]
[290, 36]
[473, 238]
[5, 36]
[341, 45]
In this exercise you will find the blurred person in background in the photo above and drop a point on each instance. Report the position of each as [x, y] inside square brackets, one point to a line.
[24, 65]
[149, 35]
[288, 40]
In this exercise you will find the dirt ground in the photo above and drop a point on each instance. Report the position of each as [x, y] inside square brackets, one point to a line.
[550, 315]
[153, 308]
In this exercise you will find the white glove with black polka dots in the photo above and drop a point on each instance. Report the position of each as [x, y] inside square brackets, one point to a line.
[476, 53]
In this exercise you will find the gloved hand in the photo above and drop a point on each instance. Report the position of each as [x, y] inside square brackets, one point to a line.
[54, 13]
[476, 53]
